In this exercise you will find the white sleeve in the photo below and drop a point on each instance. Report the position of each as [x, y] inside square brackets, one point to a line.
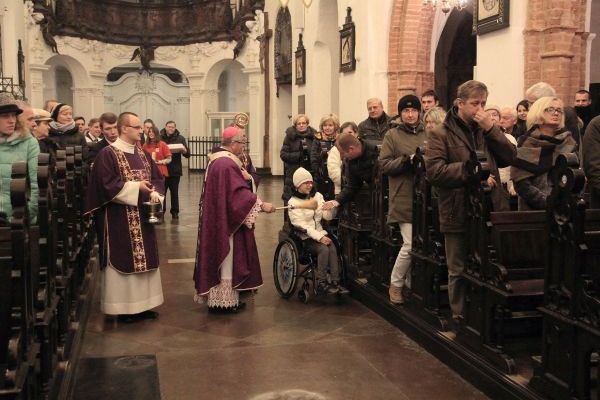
[129, 194]
[334, 166]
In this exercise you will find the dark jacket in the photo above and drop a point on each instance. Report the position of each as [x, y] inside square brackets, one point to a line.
[69, 138]
[295, 153]
[358, 171]
[48, 146]
[448, 147]
[399, 144]
[95, 149]
[318, 160]
[536, 155]
[591, 153]
[174, 167]
[374, 129]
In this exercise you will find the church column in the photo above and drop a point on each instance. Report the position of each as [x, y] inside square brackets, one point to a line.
[256, 108]
[409, 52]
[555, 45]
[197, 104]
[36, 84]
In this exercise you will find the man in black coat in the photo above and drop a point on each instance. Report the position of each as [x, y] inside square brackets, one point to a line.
[361, 160]
[110, 133]
[171, 136]
[376, 124]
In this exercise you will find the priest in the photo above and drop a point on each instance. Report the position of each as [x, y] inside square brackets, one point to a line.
[227, 258]
[123, 177]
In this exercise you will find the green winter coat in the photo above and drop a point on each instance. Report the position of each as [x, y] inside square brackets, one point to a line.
[19, 149]
[399, 144]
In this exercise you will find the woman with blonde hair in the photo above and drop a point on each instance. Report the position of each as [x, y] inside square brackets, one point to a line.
[537, 150]
[329, 128]
[433, 118]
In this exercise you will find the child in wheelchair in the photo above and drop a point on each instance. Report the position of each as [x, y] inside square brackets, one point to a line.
[315, 240]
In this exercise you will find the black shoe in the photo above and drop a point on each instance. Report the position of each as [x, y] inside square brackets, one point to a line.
[148, 314]
[322, 287]
[227, 310]
[340, 288]
[175, 215]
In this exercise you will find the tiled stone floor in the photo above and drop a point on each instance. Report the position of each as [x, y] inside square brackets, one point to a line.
[340, 351]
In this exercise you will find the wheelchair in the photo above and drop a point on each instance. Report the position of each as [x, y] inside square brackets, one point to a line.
[292, 262]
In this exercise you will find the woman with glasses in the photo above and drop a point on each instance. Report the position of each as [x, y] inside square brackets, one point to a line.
[537, 150]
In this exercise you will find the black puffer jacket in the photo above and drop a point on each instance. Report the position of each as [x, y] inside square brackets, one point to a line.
[174, 167]
[295, 153]
[358, 171]
[374, 129]
[318, 159]
[70, 138]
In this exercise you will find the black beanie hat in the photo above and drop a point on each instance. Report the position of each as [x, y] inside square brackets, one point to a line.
[409, 101]
[56, 110]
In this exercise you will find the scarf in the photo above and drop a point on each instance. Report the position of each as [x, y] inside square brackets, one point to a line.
[537, 153]
[62, 128]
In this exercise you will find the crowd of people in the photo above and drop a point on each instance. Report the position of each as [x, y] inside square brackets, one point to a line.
[131, 164]
[521, 143]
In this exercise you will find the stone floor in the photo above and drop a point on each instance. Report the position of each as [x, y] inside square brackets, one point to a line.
[334, 351]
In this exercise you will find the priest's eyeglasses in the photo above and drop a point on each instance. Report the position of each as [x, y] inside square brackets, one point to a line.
[240, 141]
[136, 127]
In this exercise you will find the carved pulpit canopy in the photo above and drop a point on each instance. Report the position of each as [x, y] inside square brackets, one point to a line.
[147, 23]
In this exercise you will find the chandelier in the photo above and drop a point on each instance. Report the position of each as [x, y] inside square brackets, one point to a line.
[446, 5]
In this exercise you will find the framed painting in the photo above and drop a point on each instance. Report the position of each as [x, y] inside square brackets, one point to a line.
[348, 44]
[490, 15]
[300, 62]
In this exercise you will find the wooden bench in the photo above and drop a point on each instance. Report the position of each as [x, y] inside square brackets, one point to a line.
[504, 271]
[429, 275]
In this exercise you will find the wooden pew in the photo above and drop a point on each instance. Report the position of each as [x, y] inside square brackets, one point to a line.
[571, 309]
[504, 272]
[385, 238]
[429, 275]
[18, 346]
[47, 300]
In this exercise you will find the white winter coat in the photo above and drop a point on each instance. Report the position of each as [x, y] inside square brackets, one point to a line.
[310, 220]
[334, 168]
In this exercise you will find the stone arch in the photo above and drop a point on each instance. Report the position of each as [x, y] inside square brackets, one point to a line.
[409, 52]
[78, 72]
[455, 56]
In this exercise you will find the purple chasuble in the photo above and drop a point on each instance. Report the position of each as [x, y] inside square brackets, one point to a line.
[128, 243]
[225, 203]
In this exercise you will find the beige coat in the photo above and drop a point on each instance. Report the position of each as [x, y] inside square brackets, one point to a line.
[310, 220]
[395, 161]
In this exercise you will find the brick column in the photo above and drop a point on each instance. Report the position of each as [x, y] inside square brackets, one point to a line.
[409, 51]
[555, 45]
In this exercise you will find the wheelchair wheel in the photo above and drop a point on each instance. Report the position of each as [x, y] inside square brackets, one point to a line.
[285, 268]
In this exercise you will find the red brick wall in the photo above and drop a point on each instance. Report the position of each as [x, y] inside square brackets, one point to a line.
[555, 45]
[409, 51]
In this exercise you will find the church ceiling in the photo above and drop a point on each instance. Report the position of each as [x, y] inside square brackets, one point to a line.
[147, 23]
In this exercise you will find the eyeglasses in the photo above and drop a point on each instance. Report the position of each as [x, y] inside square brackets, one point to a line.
[552, 110]
[240, 141]
[137, 127]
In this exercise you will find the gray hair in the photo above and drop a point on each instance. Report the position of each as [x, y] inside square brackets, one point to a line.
[539, 90]
[512, 111]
